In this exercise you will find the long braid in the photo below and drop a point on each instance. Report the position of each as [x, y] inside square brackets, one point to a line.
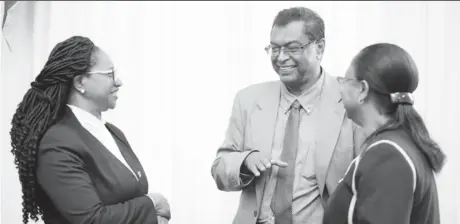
[40, 108]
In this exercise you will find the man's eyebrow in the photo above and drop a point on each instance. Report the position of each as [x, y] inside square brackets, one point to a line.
[288, 43]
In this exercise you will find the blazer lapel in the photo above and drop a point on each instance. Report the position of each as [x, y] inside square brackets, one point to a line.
[128, 153]
[263, 120]
[93, 143]
[331, 114]
[117, 134]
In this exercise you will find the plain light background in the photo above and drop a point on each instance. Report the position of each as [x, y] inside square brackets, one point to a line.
[183, 62]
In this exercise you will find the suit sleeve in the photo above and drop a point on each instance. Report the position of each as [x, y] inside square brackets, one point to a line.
[63, 176]
[226, 168]
[385, 187]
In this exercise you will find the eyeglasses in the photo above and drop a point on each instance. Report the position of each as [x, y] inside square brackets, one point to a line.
[342, 80]
[274, 50]
[110, 73]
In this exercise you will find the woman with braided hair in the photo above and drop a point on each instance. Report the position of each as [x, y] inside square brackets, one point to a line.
[73, 166]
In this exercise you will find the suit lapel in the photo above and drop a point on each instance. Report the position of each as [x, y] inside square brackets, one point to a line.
[331, 114]
[263, 121]
[117, 134]
[127, 153]
[93, 143]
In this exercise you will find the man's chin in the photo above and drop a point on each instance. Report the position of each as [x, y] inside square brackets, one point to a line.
[287, 77]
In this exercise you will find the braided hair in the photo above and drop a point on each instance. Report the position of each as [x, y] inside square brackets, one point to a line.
[41, 107]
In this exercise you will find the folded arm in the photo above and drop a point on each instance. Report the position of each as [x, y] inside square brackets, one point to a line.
[62, 175]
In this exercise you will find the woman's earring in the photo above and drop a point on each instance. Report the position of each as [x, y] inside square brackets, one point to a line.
[360, 101]
[82, 91]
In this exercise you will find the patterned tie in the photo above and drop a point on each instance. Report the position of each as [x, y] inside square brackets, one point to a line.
[282, 198]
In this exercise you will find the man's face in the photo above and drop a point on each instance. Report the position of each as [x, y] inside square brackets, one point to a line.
[294, 57]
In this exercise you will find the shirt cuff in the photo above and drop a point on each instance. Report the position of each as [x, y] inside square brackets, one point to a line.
[246, 179]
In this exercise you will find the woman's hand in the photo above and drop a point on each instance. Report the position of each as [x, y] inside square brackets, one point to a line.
[161, 205]
[162, 220]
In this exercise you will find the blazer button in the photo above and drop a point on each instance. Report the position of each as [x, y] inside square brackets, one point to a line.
[255, 213]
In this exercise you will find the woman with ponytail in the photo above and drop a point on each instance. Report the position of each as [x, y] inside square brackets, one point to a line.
[73, 166]
[393, 180]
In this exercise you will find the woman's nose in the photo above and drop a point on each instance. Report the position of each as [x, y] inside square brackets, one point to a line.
[118, 82]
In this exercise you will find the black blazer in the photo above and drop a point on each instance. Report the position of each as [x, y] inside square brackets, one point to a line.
[384, 184]
[80, 181]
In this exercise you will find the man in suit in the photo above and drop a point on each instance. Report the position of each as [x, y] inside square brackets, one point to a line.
[288, 142]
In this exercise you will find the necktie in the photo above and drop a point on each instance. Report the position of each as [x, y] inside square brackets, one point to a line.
[282, 199]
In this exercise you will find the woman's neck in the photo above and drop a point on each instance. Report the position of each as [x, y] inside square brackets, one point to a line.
[86, 107]
[374, 122]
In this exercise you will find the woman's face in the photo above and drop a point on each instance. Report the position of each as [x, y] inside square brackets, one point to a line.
[101, 85]
[351, 90]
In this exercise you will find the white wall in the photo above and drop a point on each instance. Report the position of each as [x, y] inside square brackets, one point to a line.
[182, 63]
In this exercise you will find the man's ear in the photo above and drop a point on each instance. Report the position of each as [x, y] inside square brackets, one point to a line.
[321, 45]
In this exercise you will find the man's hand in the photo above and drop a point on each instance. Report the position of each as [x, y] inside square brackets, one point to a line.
[162, 220]
[161, 205]
[256, 163]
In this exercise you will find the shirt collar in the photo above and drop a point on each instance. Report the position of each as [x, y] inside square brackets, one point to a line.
[307, 98]
[86, 118]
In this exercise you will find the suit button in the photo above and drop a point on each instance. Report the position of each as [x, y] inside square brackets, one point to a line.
[255, 213]
[235, 182]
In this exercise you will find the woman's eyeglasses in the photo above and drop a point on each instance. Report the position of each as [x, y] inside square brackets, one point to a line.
[110, 73]
[342, 80]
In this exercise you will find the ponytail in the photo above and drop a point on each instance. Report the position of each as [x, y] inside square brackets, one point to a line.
[407, 117]
[403, 115]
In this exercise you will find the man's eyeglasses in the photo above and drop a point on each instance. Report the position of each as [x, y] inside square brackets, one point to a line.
[110, 73]
[274, 50]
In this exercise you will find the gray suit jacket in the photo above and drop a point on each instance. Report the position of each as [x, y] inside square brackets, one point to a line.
[252, 126]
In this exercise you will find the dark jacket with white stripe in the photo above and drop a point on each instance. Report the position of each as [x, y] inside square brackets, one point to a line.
[384, 182]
